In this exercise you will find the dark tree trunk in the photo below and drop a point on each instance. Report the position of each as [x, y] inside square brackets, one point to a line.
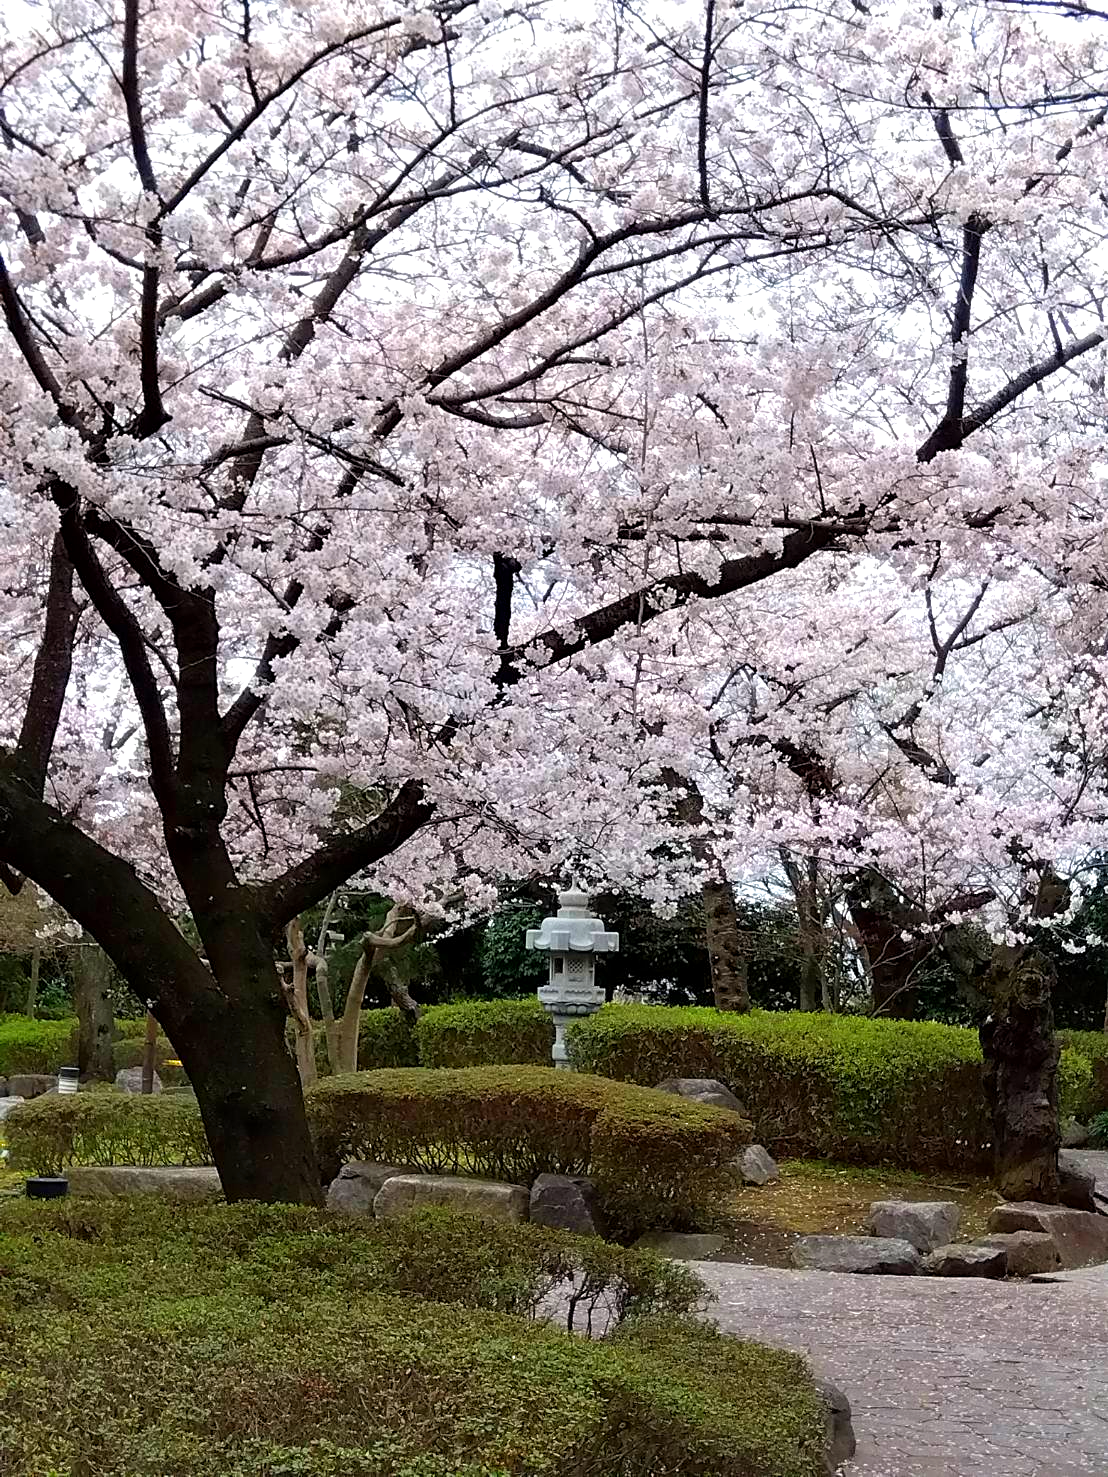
[725, 951]
[894, 962]
[1021, 1077]
[92, 974]
[251, 1101]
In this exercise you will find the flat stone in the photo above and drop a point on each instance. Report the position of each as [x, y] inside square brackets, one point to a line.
[707, 1090]
[1028, 1253]
[129, 1079]
[565, 1202]
[967, 1260]
[757, 1166]
[1080, 1236]
[884, 1255]
[1076, 1183]
[925, 1223]
[355, 1187]
[31, 1084]
[839, 1444]
[490, 1199]
[8, 1104]
[681, 1246]
[1074, 1135]
[175, 1181]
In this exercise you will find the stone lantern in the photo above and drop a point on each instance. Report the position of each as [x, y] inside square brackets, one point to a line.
[572, 938]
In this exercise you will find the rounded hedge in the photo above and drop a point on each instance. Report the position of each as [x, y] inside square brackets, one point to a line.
[50, 1132]
[267, 1342]
[656, 1159]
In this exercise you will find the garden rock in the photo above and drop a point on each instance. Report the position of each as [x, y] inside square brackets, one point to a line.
[355, 1187]
[1028, 1253]
[175, 1181]
[565, 1202]
[707, 1090]
[1076, 1184]
[885, 1255]
[756, 1166]
[1074, 1135]
[967, 1260]
[925, 1223]
[490, 1199]
[839, 1444]
[681, 1246]
[8, 1104]
[129, 1079]
[1080, 1237]
[31, 1084]
[3, 1087]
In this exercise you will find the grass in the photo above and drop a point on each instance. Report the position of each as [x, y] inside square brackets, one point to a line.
[814, 1197]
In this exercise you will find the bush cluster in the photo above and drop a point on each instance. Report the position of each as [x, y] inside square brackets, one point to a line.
[275, 1342]
[821, 1086]
[479, 1033]
[104, 1127]
[28, 1045]
[656, 1160]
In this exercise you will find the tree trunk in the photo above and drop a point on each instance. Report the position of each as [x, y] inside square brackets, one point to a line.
[803, 875]
[327, 1010]
[881, 919]
[36, 966]
[1021, 1077]
[251, 1101]
[346, 1036]
[95, 1017]
[296, 995]
[725, 952]
[149, 1054]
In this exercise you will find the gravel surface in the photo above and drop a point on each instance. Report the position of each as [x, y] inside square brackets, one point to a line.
[947, 1378]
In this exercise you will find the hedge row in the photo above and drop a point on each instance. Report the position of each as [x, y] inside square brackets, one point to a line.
[823, 1086]
[252, 1341]
[656, 1160]
[50, 1132]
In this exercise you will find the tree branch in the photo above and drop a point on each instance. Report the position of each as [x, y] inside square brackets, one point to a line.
[50, 678]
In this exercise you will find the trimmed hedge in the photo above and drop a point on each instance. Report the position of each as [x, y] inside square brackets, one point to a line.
[478, 1033]
[28, 1045]
[821, 1086]
[104, 1127]
[657, 1160]
[1093, 1046]
[265, 1342]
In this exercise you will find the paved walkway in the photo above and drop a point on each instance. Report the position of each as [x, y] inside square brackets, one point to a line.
[947, 1377]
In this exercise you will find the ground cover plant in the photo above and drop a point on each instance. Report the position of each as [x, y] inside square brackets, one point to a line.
[269, 1342]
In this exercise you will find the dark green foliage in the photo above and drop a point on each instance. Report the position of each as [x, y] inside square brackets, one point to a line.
[508, 967]
[477, 1033]
[105, 1127]
[1093, 1046]
[252, 1341]
[657, 1160]
[822, 1086]
[1098, 1132]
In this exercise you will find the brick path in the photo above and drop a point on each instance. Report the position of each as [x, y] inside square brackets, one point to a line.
[947, 1377]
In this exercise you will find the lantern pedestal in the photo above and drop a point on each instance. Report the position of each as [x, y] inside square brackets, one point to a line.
[572, 939]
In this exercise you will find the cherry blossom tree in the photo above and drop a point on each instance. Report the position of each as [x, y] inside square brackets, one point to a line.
[396, 400]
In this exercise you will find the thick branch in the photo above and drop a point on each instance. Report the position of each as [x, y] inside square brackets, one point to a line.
[50, 678]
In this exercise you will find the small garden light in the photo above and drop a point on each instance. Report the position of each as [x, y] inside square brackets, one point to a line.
[572, 938]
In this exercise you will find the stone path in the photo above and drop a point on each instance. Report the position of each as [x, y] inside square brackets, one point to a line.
[947, 1378]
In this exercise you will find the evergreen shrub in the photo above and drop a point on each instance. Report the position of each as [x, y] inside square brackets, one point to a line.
[49, 1133]
[816, 1085]
[477, 1033]
[263, 1341]
[657, 1160]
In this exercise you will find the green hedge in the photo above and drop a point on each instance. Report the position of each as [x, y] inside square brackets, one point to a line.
[657, 1160]
[35, 1046]
[264, 1342]
[104, 1127]
[817, 1085]
[478, 1033]
[1093, 1046]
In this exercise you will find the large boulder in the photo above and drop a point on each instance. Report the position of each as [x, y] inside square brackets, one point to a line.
[868, 1254]
[566, 1202]
[489, 1199]
[176, 1181]
[681, 1246]
[839, 1444]
[31, 1084]
[1027, 1253]
[967, 1260]
[129, 1079]
[355, 1187]
[707, 1090]
[1076, 1183]
[8, 1105]
[757, 1166]
[925, 1223]
[1080, 1237]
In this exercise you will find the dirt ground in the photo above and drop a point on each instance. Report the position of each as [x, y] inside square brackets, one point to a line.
[816, 1198]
